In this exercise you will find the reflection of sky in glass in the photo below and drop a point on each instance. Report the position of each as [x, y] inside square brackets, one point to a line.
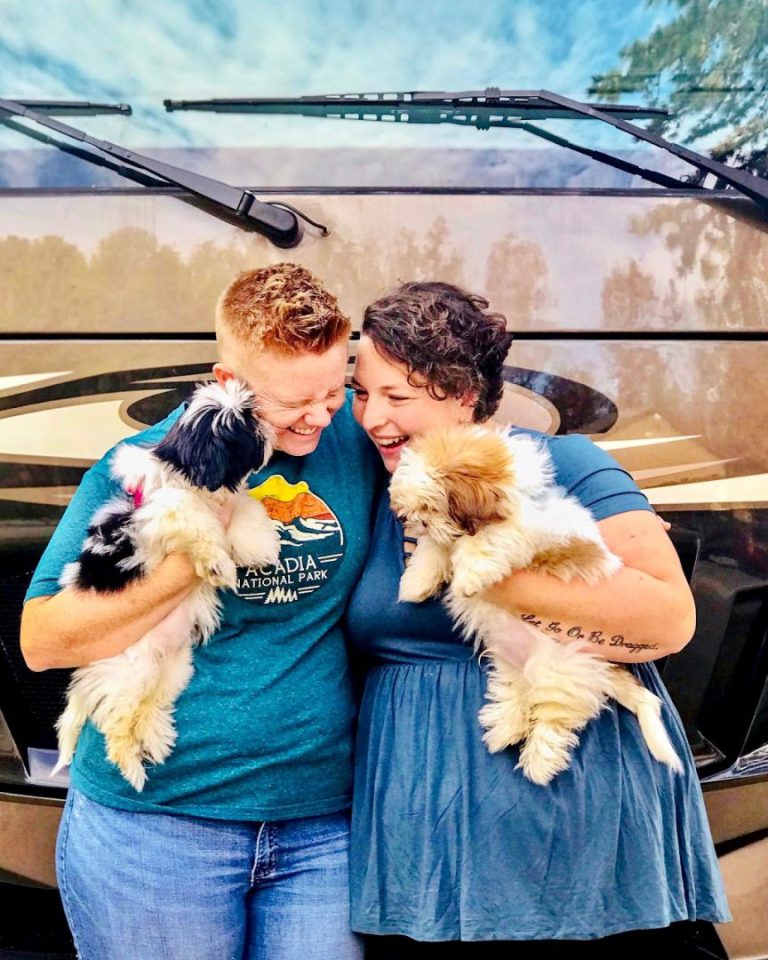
[143, 52]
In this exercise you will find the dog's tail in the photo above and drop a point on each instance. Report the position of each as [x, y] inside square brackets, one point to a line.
[646, 706]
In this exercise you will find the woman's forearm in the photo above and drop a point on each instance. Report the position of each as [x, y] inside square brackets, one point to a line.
[76, 627]
[629, 618]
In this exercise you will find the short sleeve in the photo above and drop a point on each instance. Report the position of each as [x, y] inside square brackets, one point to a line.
[594, 477]
[96, 488]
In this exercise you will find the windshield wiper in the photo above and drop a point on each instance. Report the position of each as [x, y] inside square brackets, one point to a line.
[278, 224]
[489, 108]
[752, 186]
[484, 109]
[130, 173]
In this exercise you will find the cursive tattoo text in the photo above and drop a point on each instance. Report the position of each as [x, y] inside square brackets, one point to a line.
[576, 632]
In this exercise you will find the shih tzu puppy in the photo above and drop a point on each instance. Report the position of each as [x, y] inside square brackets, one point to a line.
[175, 495]
[483, 503]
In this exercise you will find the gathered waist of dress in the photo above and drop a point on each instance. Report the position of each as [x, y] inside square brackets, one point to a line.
[393, 652]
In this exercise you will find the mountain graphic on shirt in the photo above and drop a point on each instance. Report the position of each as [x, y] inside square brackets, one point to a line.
[299, 514]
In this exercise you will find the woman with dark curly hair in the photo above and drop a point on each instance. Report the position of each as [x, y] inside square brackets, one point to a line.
[452, 846]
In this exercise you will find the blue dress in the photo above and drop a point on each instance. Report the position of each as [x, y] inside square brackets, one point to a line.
[450, 842]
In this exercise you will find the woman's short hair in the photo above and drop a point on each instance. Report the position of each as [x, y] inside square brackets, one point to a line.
[445, 336]
[282, 306]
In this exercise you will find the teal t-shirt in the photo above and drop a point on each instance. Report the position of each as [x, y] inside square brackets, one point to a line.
[265, 725]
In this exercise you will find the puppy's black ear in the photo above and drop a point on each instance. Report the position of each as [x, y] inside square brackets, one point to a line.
[108, 560]
[217, 441]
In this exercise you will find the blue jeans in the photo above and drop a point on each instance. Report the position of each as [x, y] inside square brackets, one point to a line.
[150, 886]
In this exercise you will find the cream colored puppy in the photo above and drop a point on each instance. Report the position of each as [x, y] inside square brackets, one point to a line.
[483, 504]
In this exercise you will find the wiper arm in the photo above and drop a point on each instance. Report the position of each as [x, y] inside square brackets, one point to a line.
[752, 186]
[510, 109]
[72, 108]
[653, 176]
[278, 224]
[130, 173]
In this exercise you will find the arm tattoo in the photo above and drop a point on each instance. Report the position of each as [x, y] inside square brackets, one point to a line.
[563, 632]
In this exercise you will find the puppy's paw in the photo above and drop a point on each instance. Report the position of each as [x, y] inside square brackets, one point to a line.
[270, 552]
[504, 726]
[253, 537]
[263, 552]
[125, 753]
[219, 570]
[135, 774]
[546, 753]
[415, 587]
[478, 562]
[467, 582]
[158, 738]
[537, 769]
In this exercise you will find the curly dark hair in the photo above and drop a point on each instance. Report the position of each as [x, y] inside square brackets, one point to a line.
[444, 335]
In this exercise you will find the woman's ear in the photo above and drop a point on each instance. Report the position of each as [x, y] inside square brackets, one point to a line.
[222, 374]
[468, 404]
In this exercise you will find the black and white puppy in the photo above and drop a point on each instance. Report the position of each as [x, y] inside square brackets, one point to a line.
[176, 494]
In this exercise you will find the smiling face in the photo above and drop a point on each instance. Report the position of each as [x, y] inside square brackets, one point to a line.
[393, 410]
[296, 393]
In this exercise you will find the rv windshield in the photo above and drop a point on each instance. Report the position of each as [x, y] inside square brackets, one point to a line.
[651, 57]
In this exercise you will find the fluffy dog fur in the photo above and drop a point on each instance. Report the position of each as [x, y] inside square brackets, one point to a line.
[483, 504]
[175, 492]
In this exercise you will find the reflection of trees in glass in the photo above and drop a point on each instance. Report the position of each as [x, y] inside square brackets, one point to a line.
[629, 299]
[44, 277]
[724, 258]
[130, 282]
[132, 276]
[716, 390]
[133, 282]
[516, 280]
[709, 65]
[719, 391]
[359, 271]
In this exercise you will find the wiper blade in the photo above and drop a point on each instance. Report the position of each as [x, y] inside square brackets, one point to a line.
[73, 108]
[510, 109]
[278, 224]
[490, 108]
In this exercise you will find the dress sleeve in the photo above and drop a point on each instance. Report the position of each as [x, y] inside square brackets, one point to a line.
[595, 478]
[96, 488]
